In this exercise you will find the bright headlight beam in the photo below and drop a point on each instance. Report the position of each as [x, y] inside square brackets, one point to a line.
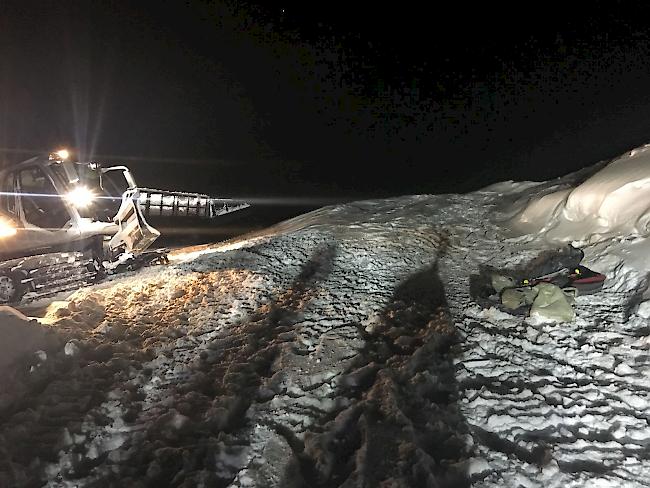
[7, 228]
[63, 154]
[80, 197]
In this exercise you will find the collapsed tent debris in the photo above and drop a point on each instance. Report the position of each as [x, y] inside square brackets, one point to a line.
[545, 288]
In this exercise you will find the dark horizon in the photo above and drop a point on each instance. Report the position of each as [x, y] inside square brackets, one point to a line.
[240, 99]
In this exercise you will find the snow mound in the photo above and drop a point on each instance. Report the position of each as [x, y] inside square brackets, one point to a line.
[615, 201]
[20, 336]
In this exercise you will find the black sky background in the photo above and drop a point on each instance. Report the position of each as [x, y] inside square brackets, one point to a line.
[326, 100]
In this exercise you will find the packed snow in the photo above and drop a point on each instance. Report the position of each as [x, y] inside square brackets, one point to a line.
[342, 348]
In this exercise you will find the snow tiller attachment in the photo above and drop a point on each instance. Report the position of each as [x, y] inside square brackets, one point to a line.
[65, 223]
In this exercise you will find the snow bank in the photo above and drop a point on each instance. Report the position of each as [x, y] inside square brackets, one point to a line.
[20, 336]
[613, 202]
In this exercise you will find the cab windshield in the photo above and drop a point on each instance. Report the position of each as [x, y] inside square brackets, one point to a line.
[107, 200]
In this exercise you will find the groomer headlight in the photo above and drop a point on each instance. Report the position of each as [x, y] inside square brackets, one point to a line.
[60, 155]
[7, 228]
[80, 197]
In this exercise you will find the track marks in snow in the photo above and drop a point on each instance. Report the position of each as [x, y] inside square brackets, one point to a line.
[315, 355]
[197, 390]
[556, 405]
[302, 360]
[401, 426]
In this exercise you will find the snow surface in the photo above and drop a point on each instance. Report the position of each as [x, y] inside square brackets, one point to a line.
[612, 202]
[342, 348]
[21, 337]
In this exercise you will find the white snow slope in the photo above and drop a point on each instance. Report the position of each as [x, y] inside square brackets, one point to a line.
[342, 348]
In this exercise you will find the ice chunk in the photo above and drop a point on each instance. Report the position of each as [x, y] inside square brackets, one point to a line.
[71, 349]
[644, 309]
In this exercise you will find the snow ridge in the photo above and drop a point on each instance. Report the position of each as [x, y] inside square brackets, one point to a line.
[288, 363]
[340, 349]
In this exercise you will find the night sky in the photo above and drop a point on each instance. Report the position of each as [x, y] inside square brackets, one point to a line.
[304, 99]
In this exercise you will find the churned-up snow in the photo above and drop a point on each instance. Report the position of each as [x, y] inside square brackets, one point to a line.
[343, 348]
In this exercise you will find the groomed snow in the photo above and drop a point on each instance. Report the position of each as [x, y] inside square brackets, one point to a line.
[342, 348]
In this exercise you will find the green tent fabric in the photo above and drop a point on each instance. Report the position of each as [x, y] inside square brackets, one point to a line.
[514, 298]
[552, 304]
[499, 282]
